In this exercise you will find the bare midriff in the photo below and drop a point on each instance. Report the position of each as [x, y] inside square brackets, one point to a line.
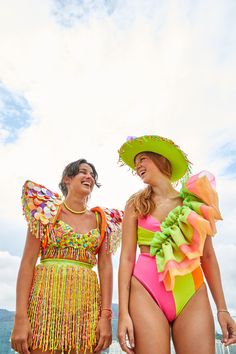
[144, 249]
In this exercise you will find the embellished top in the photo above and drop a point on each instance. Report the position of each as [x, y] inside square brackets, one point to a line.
[179, 244]
[58, 239]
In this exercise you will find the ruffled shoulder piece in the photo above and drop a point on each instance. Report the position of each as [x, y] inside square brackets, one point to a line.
[202, 187]
[40, 207]
[179, 245]
[110, 228]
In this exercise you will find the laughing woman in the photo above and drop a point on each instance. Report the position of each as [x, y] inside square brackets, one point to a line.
[61, 307]
[164, 291]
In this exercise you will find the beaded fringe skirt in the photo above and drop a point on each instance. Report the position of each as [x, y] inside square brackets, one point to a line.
[64, 306]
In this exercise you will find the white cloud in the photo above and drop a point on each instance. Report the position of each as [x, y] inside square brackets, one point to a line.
[4, 134]
[226, 255]
[164, 68]
[8, 272]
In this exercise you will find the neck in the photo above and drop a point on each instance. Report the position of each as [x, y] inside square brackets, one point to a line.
[164, 189]
[73, 211]
[75, 203]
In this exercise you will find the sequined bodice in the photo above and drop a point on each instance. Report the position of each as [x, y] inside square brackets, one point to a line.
[65, 243]
[58, 239]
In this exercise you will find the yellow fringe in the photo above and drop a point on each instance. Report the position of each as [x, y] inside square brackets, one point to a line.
[64, 307]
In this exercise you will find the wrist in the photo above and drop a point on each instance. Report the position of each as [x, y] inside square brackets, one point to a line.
[21, 317]
[106, 313]
[106, 318]
[222, 310]
[123, 313]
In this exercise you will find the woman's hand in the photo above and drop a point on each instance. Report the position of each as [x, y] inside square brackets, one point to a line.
[21, 335]
[103, 334]
[125, 329]
[228, 327]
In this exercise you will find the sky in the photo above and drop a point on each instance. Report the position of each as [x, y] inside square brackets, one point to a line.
[78, 77]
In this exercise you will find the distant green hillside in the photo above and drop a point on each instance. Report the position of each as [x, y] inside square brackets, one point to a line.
[6, 323]
[7, 318]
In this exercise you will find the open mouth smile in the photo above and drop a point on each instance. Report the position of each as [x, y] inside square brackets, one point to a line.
[86, 183]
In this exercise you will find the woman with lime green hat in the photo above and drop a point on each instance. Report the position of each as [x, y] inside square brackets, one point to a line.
[165, 289]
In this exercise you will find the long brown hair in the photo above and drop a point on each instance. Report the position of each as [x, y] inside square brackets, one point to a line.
[142, 201]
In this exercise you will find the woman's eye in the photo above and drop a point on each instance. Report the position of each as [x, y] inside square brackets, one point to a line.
[86, 172]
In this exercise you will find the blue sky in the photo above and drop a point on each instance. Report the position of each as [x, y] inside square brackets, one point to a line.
[78, 77]
[69, 13]
[15, 115]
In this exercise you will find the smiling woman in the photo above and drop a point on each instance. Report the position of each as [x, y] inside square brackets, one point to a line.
[164, 291]
[60, 304]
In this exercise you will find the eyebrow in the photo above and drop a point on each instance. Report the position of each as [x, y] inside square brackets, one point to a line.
[140, 156]
[86, 169]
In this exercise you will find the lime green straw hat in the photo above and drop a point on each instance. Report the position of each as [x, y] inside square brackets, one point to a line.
[160, 145]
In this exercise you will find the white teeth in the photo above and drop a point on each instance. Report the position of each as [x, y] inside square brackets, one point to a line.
[86, 184]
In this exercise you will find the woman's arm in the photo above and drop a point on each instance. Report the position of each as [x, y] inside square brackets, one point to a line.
[127, 261]
[104, 329]
[21, 334]
[211, 271]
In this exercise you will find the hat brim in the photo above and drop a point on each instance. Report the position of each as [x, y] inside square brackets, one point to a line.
[159, 145]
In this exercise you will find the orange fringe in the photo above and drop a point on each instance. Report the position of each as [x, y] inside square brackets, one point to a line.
[64, 307]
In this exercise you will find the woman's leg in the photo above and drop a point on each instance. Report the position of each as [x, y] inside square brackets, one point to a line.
[88, 352]
[151, 328]
[193, 331]
[39, 351]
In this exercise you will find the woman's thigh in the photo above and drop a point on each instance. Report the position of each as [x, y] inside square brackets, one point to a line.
[151, 328]
[88, 352]
[39, 351]
[193, 331]
[82, 352]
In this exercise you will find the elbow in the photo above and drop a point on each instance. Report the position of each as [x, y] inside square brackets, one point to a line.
[29, 262]
[128, 256]
[208, 255]
[126, 266]
[209, 261]
[206, 260]
[208, 252]
[105, 266]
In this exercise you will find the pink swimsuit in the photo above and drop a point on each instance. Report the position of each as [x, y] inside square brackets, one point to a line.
[170, 302]
[172, 272]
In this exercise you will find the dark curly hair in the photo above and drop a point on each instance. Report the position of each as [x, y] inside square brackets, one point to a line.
[72, 170]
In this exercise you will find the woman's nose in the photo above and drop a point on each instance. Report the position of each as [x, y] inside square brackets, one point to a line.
[138, 165]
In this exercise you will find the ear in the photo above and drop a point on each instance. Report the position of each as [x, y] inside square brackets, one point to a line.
[162, 159]
[67, 180]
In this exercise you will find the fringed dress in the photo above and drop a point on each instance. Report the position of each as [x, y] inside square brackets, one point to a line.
[64, 301]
